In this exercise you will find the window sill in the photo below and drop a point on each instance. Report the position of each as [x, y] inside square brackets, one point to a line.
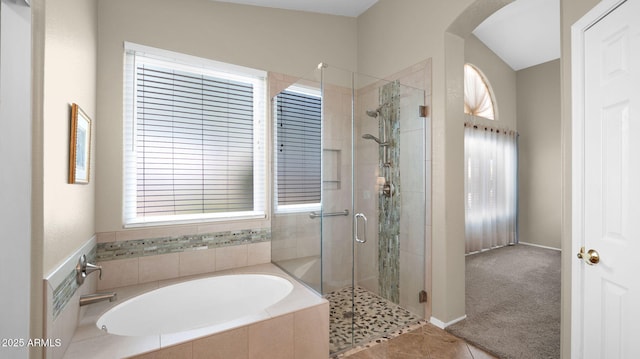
[298, 208]
[164, 221]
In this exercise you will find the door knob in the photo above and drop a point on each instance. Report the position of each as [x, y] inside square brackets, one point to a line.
[590, 257]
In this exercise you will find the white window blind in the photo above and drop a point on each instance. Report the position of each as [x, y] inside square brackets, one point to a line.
[194, 139]
[298, 149]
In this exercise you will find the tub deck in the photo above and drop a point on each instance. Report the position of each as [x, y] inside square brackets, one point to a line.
[300, 319]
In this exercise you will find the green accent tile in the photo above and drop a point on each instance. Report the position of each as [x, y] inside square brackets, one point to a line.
[154, 246]
[163, 245]
[389, 207]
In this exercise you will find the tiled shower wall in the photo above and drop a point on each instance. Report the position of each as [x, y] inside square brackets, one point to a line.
[297, 244]
[297, 236]
[294, 235]
[414, 228]
[389, 205]
[337, 163]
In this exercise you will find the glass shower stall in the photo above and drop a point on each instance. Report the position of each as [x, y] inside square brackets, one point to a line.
[351, 198]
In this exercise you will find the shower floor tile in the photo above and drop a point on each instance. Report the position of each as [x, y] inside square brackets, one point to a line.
[370, 317]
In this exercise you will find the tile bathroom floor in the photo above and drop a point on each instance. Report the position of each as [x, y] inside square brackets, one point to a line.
[369, 315]
[424, 341]
[384, 330]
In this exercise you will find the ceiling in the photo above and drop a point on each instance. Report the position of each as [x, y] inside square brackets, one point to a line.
[523, 34]
[351, 8]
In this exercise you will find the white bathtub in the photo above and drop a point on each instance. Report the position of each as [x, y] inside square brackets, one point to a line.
[195, 304]
[248, 304]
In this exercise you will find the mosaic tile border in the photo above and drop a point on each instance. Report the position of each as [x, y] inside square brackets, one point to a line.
[155, 246]
[63, 293]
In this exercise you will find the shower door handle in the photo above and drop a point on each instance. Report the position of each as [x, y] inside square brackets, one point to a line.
[364, 233]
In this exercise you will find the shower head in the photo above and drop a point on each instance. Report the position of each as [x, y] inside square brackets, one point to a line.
[368, 136]
[376, 112]
[372, 113]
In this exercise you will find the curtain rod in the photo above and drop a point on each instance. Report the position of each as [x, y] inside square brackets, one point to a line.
[490, 128]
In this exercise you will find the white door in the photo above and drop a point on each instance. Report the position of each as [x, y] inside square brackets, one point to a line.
[606, 181]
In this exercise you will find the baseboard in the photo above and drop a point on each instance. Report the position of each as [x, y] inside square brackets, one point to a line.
[442, 325]
[539, 246]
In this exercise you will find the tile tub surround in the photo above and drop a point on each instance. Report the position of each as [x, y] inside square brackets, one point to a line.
[64, 291]
[61, 297]
[296, 327]
[139, 261]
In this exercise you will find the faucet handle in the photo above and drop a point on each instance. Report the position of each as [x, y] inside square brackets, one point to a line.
[83, 269]
[92, 268]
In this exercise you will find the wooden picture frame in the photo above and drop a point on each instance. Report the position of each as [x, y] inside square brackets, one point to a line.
[79, 146]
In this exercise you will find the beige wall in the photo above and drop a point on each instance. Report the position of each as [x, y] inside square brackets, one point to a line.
[396, 34]
[392, 35]
[426, 22]
[282, 41]
[62, 216]
[539, 154]
[70, 49]
[501, 77]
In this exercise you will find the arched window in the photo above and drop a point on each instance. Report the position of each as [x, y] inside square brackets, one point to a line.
[477, 96]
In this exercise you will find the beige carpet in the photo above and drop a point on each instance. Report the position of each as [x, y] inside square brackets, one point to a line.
[513, 302]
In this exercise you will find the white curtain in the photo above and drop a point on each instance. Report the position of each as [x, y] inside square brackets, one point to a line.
[491, 169]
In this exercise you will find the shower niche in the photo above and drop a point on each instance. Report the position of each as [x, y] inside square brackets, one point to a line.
[331, 169]
[351, 170]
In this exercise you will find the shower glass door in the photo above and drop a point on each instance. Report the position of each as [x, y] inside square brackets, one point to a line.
[296, 221]
[350, 163]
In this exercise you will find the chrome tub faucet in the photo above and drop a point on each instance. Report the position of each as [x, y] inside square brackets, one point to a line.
[97, 297]
[83, 269]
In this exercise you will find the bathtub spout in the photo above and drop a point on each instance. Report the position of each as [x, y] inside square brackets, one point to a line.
[97, 297]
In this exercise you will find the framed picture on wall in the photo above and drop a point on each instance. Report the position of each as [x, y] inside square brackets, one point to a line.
[79, 146]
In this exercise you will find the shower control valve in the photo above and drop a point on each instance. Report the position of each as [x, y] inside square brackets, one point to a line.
[387, 189]
[84, 268]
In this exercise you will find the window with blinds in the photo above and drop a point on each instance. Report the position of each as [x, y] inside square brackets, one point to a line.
[194, 139]
[298, 149]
